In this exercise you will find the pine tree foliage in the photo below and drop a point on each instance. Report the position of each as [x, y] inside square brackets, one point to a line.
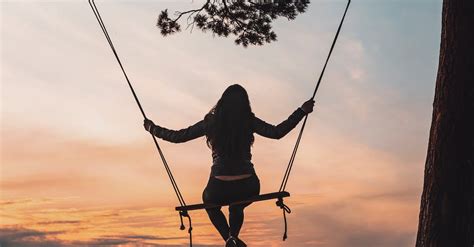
[249, 21]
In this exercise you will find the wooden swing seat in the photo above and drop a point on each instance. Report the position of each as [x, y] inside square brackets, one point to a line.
[262, 197]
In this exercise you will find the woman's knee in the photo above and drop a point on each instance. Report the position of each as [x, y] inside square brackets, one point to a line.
[237, 209]
[213, 211]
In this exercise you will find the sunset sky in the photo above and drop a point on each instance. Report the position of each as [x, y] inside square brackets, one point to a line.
[77, 167]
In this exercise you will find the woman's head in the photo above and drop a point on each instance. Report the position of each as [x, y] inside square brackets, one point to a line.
[231, 131]
[235, 98]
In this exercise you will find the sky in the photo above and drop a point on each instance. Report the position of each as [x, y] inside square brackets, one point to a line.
[78, 169]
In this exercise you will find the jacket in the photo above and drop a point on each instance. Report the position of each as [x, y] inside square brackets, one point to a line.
[224, 166]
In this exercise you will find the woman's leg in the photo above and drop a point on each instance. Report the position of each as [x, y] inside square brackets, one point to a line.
[219, 221]
[247, 188]
[215, 192]
[236, 219]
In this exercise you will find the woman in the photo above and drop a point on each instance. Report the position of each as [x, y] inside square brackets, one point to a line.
[229, 129]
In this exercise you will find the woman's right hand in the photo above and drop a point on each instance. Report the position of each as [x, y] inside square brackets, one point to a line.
[149, 125]
[308, 106]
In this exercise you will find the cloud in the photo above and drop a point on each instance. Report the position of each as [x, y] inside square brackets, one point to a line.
[15, 202]
[355, 233]
[142, 237]
[61, 225]
[366, 219]
[27, 237]
[23, 237]
[57, 222]
[337, 222]
[103, 241]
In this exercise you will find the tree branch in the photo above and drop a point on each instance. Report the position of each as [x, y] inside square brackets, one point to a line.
[180, 14]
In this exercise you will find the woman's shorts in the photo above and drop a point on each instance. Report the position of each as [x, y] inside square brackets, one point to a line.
[224, 192]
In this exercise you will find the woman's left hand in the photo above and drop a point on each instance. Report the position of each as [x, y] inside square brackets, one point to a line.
[148, 124]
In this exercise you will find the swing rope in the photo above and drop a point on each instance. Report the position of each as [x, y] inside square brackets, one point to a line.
[284, 182]
[180, 197]
[297, 144]
[183, 213]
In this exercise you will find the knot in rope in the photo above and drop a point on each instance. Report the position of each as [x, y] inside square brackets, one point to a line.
[182, 214]
[281, 204]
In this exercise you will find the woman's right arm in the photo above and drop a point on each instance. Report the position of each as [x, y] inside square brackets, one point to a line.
[276, 132]
[176, 136]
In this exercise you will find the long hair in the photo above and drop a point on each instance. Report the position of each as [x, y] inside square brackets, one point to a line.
[230, 132]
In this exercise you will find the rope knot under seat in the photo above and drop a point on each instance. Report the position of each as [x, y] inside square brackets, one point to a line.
[281, 204]
[182, 214]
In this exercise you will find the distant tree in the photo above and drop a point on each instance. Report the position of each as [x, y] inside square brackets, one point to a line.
[447, 203]
[250, 21]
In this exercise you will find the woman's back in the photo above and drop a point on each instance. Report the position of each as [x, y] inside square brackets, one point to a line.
[240, 161]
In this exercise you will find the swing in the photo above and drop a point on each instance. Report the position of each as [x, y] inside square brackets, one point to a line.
[184, 208]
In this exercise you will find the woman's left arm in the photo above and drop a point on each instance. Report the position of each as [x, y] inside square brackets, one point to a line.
[176, 136]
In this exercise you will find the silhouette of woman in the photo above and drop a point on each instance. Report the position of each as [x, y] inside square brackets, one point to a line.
[229, 128]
